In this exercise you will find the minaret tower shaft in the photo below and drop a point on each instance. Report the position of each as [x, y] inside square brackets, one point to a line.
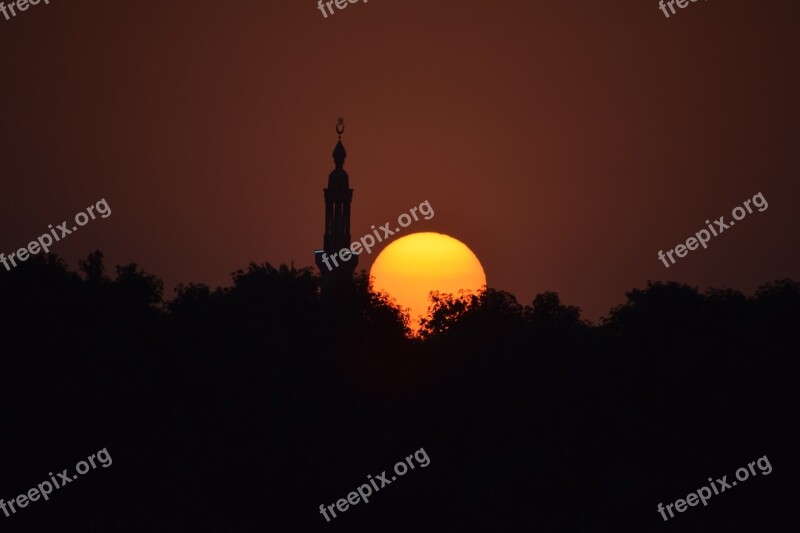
[338, 197]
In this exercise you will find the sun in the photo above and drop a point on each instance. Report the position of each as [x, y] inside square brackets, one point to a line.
[413, 266]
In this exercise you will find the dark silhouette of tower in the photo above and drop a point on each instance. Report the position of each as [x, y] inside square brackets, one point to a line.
[334, 270]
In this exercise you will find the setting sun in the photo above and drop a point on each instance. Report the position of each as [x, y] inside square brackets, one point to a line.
[414, 265]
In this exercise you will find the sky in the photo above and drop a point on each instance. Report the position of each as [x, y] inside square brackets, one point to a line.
[565, 143]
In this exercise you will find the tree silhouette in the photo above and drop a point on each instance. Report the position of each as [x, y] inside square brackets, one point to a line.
[268, 394]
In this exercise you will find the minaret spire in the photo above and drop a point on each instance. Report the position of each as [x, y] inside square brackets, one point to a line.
[339, 153]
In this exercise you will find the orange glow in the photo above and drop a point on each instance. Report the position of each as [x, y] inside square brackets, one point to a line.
[413, 266]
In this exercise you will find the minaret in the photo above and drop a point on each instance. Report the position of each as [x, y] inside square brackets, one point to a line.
[338, 196]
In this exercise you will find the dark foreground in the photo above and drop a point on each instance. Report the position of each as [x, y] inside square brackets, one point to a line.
[245, 409]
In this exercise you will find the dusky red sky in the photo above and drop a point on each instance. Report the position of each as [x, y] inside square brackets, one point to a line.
[564, 142]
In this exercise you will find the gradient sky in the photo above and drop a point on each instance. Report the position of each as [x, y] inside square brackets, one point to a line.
[564, 142]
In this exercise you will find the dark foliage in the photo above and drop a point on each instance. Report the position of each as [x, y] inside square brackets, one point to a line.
[244, 408]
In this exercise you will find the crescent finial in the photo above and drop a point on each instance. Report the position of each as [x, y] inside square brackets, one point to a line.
[340, 127]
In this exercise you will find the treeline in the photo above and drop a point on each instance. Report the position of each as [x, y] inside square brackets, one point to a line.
[245, 407]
